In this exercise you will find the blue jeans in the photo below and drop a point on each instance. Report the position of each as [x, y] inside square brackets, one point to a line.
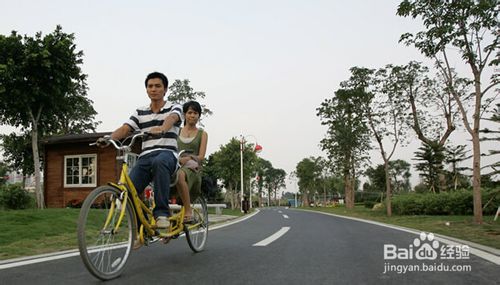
[157, 166]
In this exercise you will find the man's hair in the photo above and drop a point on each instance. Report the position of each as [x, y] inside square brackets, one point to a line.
[160, 75]
[193, 105]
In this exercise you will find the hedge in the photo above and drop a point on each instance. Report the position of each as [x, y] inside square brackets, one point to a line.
[458, 202]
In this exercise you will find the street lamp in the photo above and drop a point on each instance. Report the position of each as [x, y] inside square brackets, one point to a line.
[257, 149]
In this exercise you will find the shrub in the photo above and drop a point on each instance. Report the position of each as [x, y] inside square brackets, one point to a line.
[369, 204]
[362, 197]
[458, 202]
[14, 197]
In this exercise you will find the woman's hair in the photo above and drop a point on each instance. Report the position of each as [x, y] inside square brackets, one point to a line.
[193, 105]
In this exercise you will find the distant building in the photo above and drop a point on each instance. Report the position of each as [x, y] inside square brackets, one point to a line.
[72, 168]
[14, 177]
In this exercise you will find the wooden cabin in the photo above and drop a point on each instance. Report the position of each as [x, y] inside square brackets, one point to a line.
[72, 168]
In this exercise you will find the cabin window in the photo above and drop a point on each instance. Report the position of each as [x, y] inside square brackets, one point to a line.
[80, 170]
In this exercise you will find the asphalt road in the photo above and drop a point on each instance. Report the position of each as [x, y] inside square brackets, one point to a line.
[312, 249]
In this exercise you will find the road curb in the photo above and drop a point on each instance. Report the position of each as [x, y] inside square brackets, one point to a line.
[234, 221]
[485, 252]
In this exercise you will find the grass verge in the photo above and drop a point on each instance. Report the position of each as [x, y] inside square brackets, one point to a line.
[32, 231]
[461, 227]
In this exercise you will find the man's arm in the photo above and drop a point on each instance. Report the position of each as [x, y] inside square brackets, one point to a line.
[121, 132]
[167, 124]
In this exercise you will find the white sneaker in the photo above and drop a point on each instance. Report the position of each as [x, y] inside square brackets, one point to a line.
[162, 222]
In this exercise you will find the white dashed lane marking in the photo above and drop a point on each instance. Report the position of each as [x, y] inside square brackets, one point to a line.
[273, 237]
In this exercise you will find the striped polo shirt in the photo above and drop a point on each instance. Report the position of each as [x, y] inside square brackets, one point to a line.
[144, 119]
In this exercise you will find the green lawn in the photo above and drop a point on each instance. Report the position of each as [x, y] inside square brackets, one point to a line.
[461, 227]
[31, 232]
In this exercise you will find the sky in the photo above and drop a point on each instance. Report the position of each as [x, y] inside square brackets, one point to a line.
[265, 66]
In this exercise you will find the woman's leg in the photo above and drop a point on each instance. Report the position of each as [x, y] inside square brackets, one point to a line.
[183, 190]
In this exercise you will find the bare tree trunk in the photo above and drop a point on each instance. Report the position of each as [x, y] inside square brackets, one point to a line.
[24, 181]
[231, 194]
[476, 179]
[386, 159]
[388, 188]
[349, 201]
[305, 198]
[36, 159]
[442, 182]
[324, 195]
[276, 196]
[476, 150]
[38, 187]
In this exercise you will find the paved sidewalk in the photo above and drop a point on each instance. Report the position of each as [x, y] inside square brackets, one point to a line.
[216, 219]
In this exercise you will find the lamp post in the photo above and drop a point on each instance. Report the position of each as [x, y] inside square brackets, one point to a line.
[257, 149]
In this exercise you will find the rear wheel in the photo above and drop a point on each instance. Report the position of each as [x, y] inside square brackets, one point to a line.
[196, 233]
[104, 247]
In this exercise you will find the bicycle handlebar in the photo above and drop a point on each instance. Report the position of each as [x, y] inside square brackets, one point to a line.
[117, 144]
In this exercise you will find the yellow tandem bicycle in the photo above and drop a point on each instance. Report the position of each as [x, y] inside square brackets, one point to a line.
[109, 218]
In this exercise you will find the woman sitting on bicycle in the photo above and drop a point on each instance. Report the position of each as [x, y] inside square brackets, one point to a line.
[193, 141]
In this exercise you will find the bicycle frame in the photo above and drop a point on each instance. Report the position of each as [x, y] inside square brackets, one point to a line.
[142, 212]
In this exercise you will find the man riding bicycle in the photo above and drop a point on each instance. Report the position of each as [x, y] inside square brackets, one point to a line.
[158, 159]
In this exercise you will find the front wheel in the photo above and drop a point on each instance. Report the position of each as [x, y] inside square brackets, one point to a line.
[196, 233]
[105, 236]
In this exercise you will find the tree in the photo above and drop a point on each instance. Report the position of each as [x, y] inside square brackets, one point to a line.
[347, 140]
[384, 111]
[492, 135]
[469, 27]
[181, 92]
[433, 111]
[454, 155]
[399, 171]
[226, 166]
[431, 165]
[4, 169]
[322, 182]
[376, 178]
[40, 83]
[274, 180]
[18, 153]
[209, 171]
[263, 166]
[306, 172]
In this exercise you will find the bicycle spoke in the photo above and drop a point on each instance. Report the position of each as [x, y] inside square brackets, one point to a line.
[196, 234]
[103, 249]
